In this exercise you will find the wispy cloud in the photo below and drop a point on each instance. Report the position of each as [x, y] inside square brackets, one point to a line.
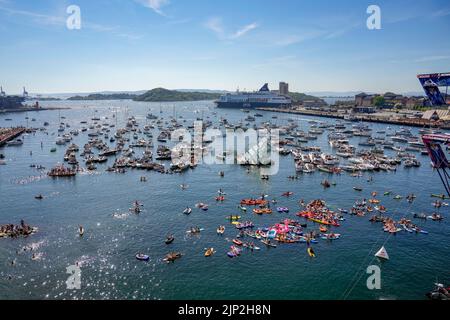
[155, 5]
[244, 30]
[60, 21]
[215, 24]
[37, 17]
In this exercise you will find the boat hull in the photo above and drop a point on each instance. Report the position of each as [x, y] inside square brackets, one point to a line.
[250, 105]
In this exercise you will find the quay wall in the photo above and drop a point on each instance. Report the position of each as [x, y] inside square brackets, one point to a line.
[11, 134]
[368, 118]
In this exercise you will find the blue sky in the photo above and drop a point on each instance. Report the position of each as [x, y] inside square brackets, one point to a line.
[141, 44]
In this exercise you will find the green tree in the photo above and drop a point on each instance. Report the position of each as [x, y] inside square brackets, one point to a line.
[379, 101]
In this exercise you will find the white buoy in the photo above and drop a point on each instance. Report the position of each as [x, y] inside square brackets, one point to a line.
[382, 254]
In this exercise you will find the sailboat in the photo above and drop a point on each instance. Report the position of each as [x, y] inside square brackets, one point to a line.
[382, 254]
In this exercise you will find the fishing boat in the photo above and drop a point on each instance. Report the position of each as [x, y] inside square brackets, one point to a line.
[209, 252]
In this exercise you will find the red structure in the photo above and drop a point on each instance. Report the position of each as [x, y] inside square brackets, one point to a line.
[433, 143]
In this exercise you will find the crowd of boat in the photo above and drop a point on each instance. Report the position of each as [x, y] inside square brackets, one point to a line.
[135, 149]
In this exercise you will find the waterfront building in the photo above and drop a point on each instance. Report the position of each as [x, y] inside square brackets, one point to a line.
[284, 88]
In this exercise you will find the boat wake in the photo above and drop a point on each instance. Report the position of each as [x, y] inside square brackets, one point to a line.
[28, 180]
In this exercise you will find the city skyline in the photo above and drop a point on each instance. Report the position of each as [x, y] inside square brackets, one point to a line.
[132, 45]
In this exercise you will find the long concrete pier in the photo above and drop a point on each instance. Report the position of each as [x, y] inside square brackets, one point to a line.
[368, 118]
[8, 134]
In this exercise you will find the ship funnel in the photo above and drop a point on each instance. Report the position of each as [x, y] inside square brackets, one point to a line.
[264, 88]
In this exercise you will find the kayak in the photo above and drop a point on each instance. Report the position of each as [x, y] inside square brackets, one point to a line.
[311, 252]
[441, 196]
[357, 189]
[282, 209]
[221, 198]
[303, 239]
[327, 223]
[190, 231]
[253, 202]
[287, 194]
[242, 208]
[327, 237]
[238, 242]
[233, 217]
[142, 257]
[408, 229]
[323, 229]
[262, 211]
[269, 244]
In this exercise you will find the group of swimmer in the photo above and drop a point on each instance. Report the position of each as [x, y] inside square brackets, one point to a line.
[13, 231]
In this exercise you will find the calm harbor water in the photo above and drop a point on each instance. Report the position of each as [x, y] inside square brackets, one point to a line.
[106, 253]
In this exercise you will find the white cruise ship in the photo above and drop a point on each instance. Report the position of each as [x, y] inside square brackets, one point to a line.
[250, 100]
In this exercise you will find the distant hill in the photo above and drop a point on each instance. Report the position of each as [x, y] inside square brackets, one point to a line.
[99, 96]
[298, 97]
[165, 95]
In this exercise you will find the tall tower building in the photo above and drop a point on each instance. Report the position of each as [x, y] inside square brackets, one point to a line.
[284, 88]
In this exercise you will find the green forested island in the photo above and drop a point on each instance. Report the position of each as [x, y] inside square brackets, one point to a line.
[100, 96]
[301, 97]
[164, 95]
[155, 95]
